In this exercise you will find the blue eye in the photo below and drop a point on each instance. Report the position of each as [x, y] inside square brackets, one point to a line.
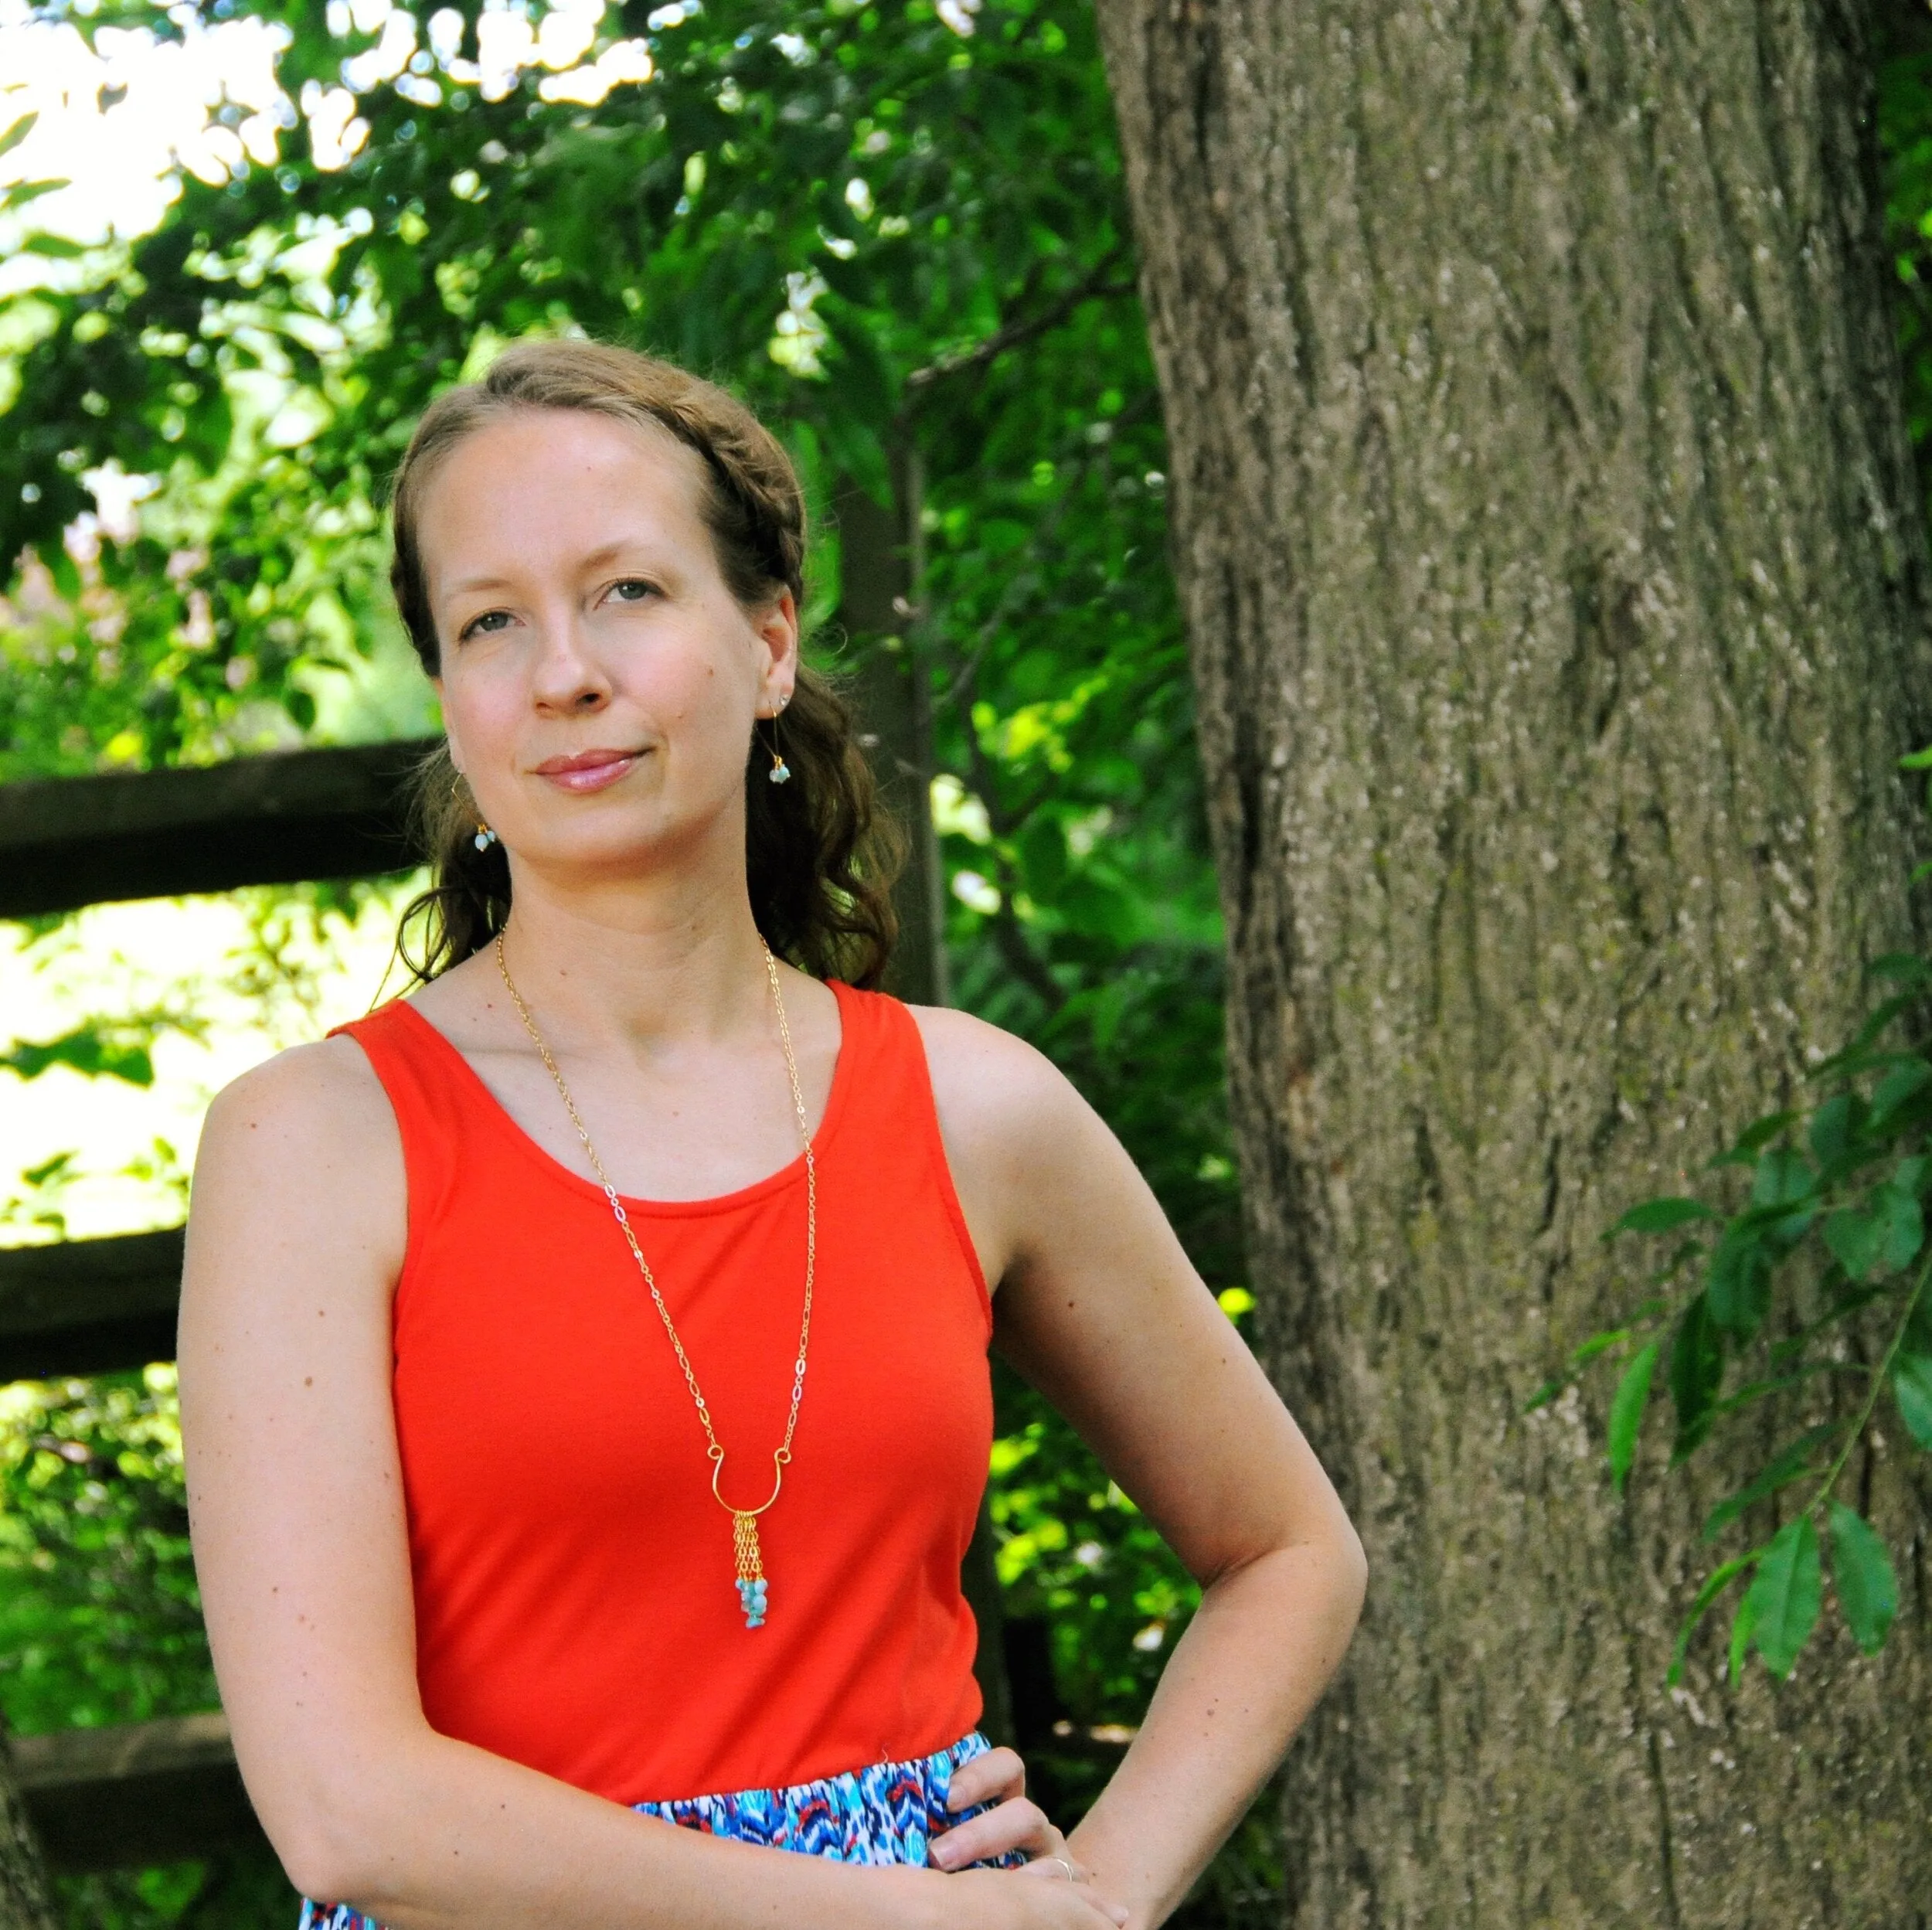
[621, 590]
[488, 623]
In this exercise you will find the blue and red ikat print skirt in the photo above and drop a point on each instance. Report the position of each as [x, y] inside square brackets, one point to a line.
[886, 1813]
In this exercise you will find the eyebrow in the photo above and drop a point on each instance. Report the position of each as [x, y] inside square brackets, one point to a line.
[607, 552]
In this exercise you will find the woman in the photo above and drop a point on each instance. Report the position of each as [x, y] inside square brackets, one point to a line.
[581, 1360]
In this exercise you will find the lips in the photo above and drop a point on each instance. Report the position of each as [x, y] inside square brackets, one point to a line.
[588, 770]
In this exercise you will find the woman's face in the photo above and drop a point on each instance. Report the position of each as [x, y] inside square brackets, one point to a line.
[599, 681]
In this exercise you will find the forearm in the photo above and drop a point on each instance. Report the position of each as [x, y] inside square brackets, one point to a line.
[434, 1834]
[1254, 1661]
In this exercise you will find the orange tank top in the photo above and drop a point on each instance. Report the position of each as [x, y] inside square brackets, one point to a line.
[575, 1603]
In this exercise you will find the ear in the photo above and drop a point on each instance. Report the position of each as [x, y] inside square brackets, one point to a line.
[776, 629]
[449, 736]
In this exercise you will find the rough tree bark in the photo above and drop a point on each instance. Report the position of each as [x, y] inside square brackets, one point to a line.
[26, 1900]
[1552, 563]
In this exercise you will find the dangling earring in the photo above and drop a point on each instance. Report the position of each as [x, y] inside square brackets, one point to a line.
[780, 772]
[484, 837]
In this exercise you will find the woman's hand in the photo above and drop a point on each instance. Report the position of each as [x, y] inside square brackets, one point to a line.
[1014, 1823]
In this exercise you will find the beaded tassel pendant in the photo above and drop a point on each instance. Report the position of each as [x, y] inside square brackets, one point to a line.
[751, 1569]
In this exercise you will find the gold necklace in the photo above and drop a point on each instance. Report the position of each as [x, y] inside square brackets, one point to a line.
[751, 1584]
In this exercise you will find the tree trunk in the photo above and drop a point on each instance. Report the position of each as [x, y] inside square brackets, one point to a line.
[25, 1899]
[1545, 519]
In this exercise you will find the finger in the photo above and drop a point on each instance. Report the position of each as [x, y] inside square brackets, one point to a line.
[991, 1778]
[1015, 1824]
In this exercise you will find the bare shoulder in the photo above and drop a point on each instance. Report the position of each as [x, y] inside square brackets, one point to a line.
[990, 1085]
[306, 1138]
[1022, 1144]
[318, 1100]
[327, 1086]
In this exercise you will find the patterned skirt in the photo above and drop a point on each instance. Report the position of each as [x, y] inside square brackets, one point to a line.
[886, 1813]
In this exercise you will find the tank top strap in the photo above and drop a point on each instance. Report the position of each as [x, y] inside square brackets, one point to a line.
[427, 1092]
[892, 1117]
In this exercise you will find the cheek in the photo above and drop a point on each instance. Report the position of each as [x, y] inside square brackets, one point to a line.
[482, 708]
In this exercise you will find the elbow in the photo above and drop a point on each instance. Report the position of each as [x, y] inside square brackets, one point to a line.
[326, 1856]
[336, 1835]
[1352, 1571]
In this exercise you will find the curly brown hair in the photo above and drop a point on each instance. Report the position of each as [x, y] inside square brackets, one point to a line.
[820, 852]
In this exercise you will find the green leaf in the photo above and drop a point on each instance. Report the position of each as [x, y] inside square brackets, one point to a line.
[1903, 1082]
[1740, 1283]
[1856, 1239]
[1715, 1583]
[86, 1051]
[1834, 1126]
[1862, 1571]
[1595, 1345]
[1742, 1624]
[1789, 1465]
[23, 192]
[17, 133]
[1902, 1228]
[1696, 1371]
[1787, 1592]
[1918, 1326]
[56, 248]
[1912, 1385]
[1660, 1216]
[1911, 1177]
[1626, 1411]
[1847, 1059]
[1907, 967]
[1782, 1179]
[1754, 1139]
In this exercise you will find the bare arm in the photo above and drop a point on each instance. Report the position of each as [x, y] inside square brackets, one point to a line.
[1099, 1307]
[296, 1503]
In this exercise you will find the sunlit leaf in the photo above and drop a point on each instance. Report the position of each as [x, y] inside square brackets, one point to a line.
[85, 1049]
[17, 131]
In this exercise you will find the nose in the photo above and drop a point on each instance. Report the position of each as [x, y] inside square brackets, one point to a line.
[566, 673]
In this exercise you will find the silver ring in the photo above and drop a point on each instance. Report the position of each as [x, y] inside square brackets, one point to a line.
[1064, 1865]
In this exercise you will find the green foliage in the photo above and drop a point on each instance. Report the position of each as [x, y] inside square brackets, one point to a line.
[1814, 1289]
[100, 1620]
[100, 1047]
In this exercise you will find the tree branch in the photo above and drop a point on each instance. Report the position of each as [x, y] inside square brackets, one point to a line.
[1097, 287]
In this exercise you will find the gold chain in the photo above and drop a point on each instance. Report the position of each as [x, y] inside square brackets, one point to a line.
[781, 1456]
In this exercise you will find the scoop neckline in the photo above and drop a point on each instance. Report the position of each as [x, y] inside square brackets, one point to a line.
[792, 1173]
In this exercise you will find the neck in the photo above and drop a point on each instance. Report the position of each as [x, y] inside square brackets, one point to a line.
[654, 964]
